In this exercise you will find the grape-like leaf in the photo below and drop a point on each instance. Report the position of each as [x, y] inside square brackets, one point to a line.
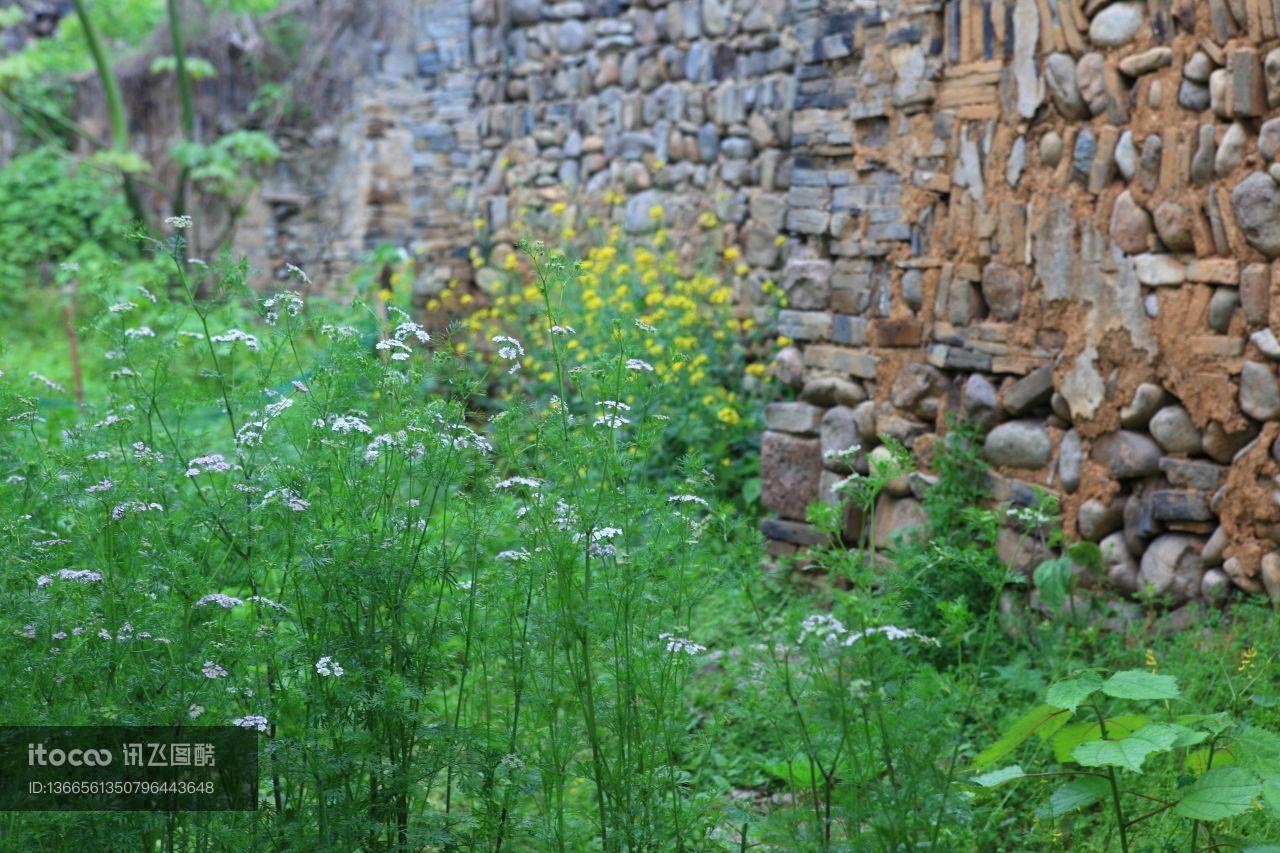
[1030, 722]
[1259, 750]
[1128, 752]
[1077, 733]
[1140, 684]
[1070, 693]
[1076, 794]
[1219, 794]
[996, 778]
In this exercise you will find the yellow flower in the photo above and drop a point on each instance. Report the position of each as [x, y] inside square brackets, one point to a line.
[656, 212]
[784, 341]
[1246, 660]
[510, 262]
[558, 208]
[731, 254]
[1150, 661]
[779, 240]
[467, 299]
[756, 369]
[433, 304]
[478, 223]
[742, 269]
[385, 294]
[708, 220]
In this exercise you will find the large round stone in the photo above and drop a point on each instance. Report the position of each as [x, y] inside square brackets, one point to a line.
[1173, 430]
[1256, 202]
[1171, 566]
[1116, 24]
[1019, 444]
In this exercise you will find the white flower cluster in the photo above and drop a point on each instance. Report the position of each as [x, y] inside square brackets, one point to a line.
[823, 626]
[891, 632]
[327, 666]
[220, 599]
[288, 497]
[830, 630]
[231, 336]
[509, 349]
[611, 417]
[104, 486]
[253, 721]
[520, 555]
[518, 481]
[688, 499]
[347, 424]
[213, 670]
[639, 365]
[287, 301]
[679, 645]
[119, 511]
[75, 575]
[214, 463]
[139, 332]
[178, 223]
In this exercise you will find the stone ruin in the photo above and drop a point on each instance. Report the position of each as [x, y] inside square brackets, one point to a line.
[1054, 217]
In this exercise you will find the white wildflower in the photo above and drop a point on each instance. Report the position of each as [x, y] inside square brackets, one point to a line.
[178, 223]
[231, 336]
[103, 486]
[638, 365]
[825, 627]
[678, 645]
[220, 599]
[327, 666]
[139, 332]
[253, 721]
[891, 632]
[212, 670]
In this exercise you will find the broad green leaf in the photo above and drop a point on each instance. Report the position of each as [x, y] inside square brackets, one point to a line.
[1271, 795]
[1076, 794]
[1214, 724]
[996, 778]
[1197, 760]
[1219, 794]
[1129, 752]
[1027, 724]
[1087, 554]
[1187, 736]
[1070, 693]
[1140, 684]
[1077, 733]
[1259, 750]
[1053, 579]
[793, 772]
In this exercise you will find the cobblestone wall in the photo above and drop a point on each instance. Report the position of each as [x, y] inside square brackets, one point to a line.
[1055, 217]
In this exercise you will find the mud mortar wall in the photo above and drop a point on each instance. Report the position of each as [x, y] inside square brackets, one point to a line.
[1056, 217]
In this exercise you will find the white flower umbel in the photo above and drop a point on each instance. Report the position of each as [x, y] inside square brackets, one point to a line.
[328, 667]
[823, 627]
[233, 336]
[510, 349]
[891, 632]
[178, 223]
[212, 670]
[639, 365]
[220, 599]
[253, 721]
[679, 645]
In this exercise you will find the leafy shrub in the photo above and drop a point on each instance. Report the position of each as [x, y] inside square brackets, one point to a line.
[704, 357]
[449, 631]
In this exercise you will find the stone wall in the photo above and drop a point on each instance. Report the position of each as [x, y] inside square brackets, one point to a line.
[1055, 217]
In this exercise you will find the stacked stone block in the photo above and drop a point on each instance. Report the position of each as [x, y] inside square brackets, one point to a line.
[1063, 224]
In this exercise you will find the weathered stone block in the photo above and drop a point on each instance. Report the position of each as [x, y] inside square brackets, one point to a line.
[790, 470]
[793, 417]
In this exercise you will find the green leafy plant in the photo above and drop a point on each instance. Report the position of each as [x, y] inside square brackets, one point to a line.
[1102, 732]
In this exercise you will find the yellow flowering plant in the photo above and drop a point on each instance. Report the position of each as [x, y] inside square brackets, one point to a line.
[677, 322]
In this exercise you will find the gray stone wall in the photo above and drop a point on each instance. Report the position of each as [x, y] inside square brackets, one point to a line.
[1055, 217]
